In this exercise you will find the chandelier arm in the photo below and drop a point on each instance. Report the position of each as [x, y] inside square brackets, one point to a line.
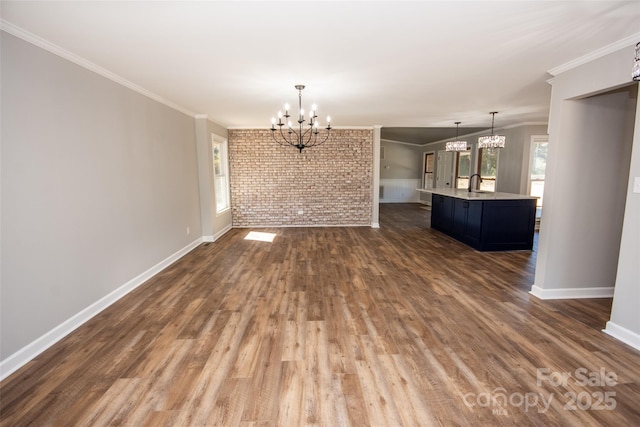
[273, 135]
[312, 136]
[284, 144]
[315, 142]
[307, 134]
[295, 137]
[285, 139]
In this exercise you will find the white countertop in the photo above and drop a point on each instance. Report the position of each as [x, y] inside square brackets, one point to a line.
[464, 194]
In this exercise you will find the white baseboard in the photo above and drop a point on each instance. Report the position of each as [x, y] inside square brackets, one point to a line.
[375, 225]
[300, 225]
[390, 202]
[571, 293]
[623, 334]
[33, 349]
[221, 233]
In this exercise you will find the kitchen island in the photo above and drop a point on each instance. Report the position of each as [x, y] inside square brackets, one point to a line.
[486, 221]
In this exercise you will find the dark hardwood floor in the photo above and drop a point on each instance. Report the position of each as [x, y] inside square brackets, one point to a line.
[400, 325]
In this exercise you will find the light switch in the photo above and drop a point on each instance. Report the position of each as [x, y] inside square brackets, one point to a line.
[636, 184]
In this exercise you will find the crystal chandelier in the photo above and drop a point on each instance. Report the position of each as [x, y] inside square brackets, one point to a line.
[492, 141]
[635, 74]
[456, 145]
[300, 138]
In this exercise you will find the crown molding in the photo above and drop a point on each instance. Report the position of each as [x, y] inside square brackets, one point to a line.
[517, 125]
[598, 53]
[352, 127]
[269, 127]
[467, 135]
[38, 41]
[393, 141]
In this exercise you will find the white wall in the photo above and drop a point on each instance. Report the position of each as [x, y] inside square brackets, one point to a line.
[400, 190]
[586, 214]
[625, 313]
[213, 224]
[401, 161]
[400, 172]
[587, 187]
[513, 160]
[99, 184]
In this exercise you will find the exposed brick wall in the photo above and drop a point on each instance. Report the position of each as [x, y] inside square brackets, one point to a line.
[330, 183]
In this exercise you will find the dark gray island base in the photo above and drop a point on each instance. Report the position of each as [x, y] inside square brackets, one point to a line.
[484, 221]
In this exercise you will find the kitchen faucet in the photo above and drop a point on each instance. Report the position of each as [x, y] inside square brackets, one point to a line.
[471, 178]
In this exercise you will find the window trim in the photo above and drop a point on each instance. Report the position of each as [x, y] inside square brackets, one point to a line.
[457, 175]
[479, 169]
[216, 139]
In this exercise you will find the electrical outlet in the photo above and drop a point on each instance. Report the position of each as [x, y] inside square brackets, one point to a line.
[636, 184]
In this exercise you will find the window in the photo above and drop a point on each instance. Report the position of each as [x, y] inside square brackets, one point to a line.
[488, 168]
[221, 173]
[463, 168]
[537, 168]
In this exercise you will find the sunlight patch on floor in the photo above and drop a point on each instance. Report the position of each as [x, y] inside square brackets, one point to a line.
[259, 236]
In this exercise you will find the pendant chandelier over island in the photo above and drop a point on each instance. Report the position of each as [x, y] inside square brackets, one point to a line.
[456, 145]
[492, 141]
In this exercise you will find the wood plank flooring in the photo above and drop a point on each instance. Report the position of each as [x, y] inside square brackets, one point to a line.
[397, 326]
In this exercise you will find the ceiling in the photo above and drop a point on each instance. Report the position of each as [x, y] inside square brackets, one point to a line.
[396, 64]
[425, 135]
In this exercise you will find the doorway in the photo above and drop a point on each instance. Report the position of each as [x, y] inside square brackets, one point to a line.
[444, 169]
[428, 169]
